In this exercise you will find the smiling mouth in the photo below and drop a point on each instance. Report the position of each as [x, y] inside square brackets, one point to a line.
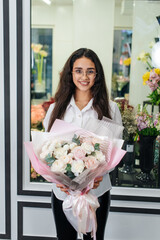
[84, 83]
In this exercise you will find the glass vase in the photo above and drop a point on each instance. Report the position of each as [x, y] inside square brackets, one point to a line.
[40, 82]
[129, 157]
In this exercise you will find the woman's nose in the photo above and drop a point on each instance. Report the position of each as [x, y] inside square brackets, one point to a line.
[84, 75]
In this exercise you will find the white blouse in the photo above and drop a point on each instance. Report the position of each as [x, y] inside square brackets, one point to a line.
[74, 115]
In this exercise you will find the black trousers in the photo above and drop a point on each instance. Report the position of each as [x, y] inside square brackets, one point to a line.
[65, 231]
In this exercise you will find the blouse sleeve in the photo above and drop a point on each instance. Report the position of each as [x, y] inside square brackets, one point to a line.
[47, 117]
[115, 113]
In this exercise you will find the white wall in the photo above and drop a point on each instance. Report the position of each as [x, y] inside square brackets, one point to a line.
[60, 18]
[83, 24]
[132, 226]
[122, 21]
[145, 29]
[93, 28]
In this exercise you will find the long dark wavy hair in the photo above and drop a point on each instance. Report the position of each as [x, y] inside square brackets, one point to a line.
[66, 87]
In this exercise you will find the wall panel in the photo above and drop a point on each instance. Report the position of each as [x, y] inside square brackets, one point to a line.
[5, 225]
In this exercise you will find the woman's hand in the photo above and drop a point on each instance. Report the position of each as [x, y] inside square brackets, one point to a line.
[97, 182]
[63, 188]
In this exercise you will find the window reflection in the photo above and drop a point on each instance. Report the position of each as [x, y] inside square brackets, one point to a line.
[126, 84]
[41, 63]
[121, 63]
[41, 81]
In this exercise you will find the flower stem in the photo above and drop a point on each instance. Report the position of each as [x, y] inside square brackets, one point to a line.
[39, 68]
[149, 65]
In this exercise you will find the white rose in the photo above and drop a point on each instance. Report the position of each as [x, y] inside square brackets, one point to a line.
[59, 152]
[72, 145]
[66, 147]
[58, 144]
[66, 159]
[77, 167]
[88, 148]
[70, 155]
[45, 146]
[44, 154]
[58, 166]
[51, 148]
[100, 156]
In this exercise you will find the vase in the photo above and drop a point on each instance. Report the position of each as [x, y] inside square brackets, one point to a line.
[40, 82]
[129, 157]
[147, 149]
[40, 86]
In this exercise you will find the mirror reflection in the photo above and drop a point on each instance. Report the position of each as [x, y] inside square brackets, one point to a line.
[127, 43]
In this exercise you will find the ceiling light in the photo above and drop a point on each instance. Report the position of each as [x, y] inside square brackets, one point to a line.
[47, 2]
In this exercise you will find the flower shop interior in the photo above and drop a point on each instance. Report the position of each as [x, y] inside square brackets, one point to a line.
[36, 38]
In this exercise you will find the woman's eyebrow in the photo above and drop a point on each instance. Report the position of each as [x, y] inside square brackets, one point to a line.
[82, 68]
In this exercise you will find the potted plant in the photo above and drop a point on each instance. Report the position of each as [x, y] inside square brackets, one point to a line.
[151, 77]
[148, 130]
[129, 133]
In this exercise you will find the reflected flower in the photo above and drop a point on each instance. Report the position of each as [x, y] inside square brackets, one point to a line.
[39, 54]
[127, 61]
[37, 114]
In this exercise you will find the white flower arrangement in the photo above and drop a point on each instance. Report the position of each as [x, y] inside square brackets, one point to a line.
[72, 157]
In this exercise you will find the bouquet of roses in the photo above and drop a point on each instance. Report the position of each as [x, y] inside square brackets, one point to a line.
[74, 157]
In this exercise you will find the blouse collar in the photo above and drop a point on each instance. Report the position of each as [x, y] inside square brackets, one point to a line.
[73, 104]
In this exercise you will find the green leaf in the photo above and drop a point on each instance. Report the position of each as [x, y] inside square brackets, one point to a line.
[69, 173]
[154, 97]
[68, 168]
[49, 160]
[96, 146]
[93, 153]
[149, 132]
[76, 140]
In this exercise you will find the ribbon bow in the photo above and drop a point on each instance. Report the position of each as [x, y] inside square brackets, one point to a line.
[83, 208]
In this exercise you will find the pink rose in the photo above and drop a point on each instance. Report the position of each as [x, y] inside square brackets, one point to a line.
[37, 113]
[78, 153]
[87, 140]
[90, 161]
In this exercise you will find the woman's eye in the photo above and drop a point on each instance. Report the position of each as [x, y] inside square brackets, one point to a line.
[78, 71]
[90, 72]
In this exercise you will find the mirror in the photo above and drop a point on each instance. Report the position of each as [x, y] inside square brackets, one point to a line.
[119, 33]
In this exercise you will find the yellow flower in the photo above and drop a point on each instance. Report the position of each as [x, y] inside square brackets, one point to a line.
[36, 47]
[127, 61]
[145, 77]
[39, 54]
[43, 53]
[157, 70]
[143, 56]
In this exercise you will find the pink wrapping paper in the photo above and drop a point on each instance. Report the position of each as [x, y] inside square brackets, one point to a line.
[111, 148]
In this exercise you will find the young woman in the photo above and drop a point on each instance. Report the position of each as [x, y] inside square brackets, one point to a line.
[82, 94]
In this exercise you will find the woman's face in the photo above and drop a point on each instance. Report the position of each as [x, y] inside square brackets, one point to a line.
[84, 73]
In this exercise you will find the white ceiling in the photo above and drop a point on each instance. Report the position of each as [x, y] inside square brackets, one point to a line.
[54, 2]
